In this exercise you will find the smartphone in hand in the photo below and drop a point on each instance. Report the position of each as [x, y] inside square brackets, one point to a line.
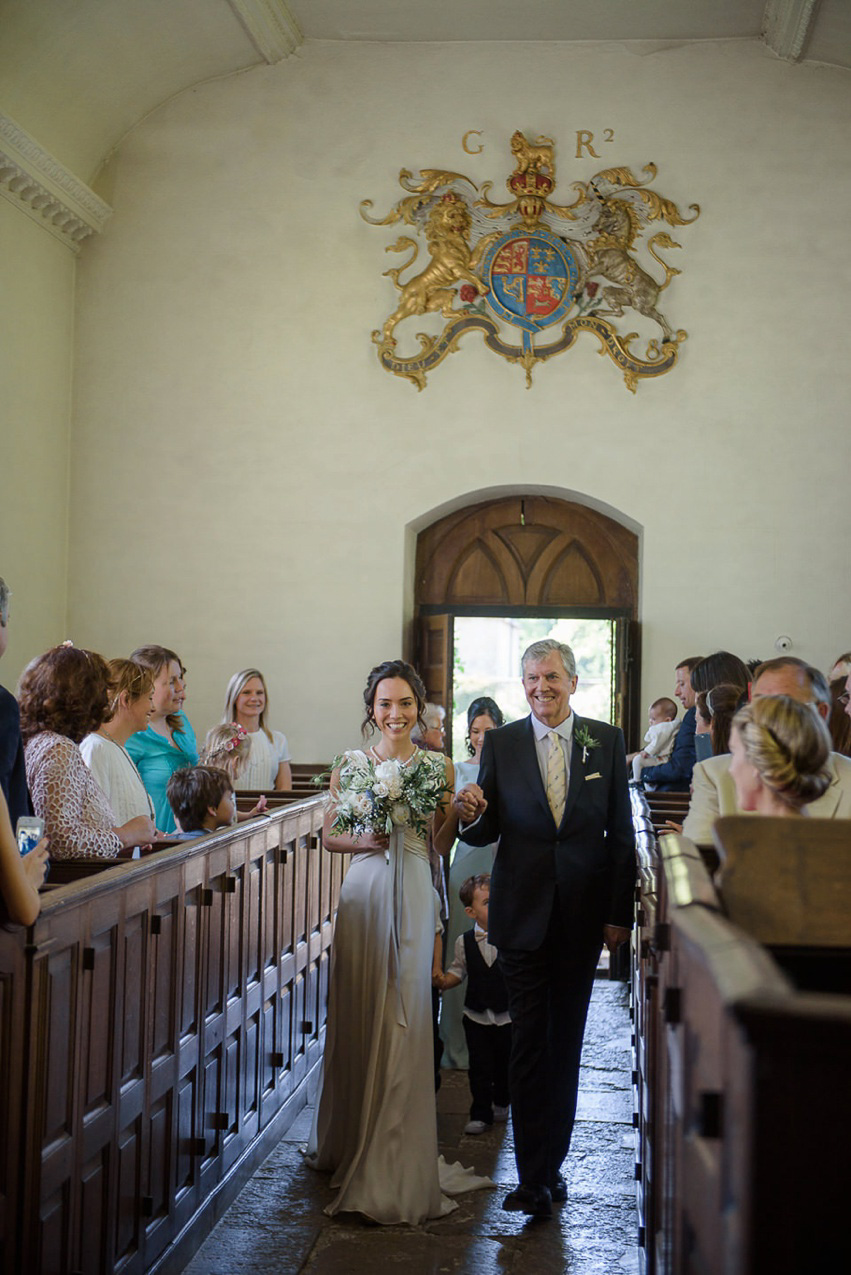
[29, 831]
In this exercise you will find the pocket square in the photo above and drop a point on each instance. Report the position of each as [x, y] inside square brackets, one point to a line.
[596, 775]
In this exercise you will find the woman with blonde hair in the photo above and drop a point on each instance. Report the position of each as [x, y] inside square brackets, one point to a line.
[780, 748]
[131, 705]
[246, 702]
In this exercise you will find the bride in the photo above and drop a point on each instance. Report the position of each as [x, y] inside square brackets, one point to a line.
[375, 1126]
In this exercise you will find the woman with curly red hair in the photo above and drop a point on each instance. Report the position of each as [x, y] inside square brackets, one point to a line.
[64, 695]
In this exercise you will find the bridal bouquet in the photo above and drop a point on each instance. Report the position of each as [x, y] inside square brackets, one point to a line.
[380, 796]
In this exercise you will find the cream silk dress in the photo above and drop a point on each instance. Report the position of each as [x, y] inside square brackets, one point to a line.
[375, 1125]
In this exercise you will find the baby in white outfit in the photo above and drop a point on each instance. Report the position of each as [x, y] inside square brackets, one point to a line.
[659, 739]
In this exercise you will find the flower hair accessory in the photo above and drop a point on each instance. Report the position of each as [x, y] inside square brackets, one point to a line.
[583, 736]
[240, 733]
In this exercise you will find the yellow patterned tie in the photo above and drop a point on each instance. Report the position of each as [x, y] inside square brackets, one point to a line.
[556, 777]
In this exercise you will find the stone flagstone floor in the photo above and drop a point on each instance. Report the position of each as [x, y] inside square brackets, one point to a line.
[277, 1226]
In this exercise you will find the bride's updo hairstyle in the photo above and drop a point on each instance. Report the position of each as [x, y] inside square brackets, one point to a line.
[788, 744]
[392, 668]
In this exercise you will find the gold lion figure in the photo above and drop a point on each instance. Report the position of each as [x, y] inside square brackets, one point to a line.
[534, 157]
[447, 229]
[617, 227]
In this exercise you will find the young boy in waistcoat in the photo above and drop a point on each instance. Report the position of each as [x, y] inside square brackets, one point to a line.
[487, 1025]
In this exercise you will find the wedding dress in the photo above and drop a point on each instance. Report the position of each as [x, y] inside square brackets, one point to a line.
[375, 1125]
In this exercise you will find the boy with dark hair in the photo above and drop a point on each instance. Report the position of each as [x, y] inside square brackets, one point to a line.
[202, 800]
[487, 1024]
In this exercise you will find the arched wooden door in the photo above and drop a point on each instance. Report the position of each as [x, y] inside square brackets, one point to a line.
[532, 555]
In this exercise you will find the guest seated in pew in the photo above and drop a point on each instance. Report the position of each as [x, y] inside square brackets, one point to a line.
[64, 695]
[674, 775]
[228, 748]
[20, 876]
[779, 749]
[839, 722]
[168, 742]
[714, 793]
[268, 765]
[723, 702]
[432, 734]
[202, 800]
[13, 774]
[131, 703]
[721, 667]
[658, 738]
[841, 667]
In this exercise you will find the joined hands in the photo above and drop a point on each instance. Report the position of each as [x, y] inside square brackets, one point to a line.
[470, 803]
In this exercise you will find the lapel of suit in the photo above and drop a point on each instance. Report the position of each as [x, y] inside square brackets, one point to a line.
[527, 761]
[576, 782]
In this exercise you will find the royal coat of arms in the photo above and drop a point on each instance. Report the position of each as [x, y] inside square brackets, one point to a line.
[511, 271]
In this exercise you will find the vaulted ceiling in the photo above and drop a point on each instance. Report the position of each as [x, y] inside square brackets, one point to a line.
[78, 74]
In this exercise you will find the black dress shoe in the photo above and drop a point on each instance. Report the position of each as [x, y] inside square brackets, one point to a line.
[558, 1190]
[534, 1200]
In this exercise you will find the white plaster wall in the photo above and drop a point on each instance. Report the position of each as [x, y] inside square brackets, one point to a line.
[36, 333]
[244, 473]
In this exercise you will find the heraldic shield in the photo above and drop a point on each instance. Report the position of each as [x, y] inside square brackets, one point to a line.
[532, 278]
[526, 273]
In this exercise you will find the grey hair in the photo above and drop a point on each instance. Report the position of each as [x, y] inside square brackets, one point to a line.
[807, 675]
[5, 595]
[549, 646]
[433, 716]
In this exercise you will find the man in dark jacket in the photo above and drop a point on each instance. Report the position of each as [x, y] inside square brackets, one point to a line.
[553, 792]
[674, 775]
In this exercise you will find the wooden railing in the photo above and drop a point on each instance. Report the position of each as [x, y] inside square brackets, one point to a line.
[743, 1107]
[158, 1026]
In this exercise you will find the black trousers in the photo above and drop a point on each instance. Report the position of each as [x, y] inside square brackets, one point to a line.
[548, 995]
[489, 1049]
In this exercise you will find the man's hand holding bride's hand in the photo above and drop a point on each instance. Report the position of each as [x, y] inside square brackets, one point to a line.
[470, 803]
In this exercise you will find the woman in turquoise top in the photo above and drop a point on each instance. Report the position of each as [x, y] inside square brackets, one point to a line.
[169, 741]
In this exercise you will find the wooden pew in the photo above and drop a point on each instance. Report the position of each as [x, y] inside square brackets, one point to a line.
[667, 805]
[160, 1025]
[749, 1102]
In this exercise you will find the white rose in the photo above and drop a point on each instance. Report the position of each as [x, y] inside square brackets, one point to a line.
[361, 804]
[400, 813]
[380, 789]
[387, 770]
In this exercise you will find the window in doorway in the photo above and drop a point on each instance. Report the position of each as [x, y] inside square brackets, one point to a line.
[487, 662]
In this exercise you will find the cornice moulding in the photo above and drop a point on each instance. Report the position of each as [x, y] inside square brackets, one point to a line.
[270, 26]
[786, 25]
[36, 182]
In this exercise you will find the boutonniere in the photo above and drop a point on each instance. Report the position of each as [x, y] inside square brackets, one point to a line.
[583, 736]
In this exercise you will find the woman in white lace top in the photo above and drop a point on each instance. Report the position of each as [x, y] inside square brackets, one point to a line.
[64, 695]
[130, 706]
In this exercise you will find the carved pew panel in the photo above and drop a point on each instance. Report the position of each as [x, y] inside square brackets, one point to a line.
[166, 1031]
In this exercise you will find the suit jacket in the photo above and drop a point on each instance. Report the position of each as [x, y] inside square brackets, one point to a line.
[714, 794]
[674, 775]
[586, 865]
[13, 775]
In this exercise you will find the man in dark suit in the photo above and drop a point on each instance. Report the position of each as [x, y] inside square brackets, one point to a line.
[553, 791]
[13, 776]
[674, 775]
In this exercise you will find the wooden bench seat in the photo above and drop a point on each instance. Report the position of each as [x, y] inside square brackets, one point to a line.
[743, 1049]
